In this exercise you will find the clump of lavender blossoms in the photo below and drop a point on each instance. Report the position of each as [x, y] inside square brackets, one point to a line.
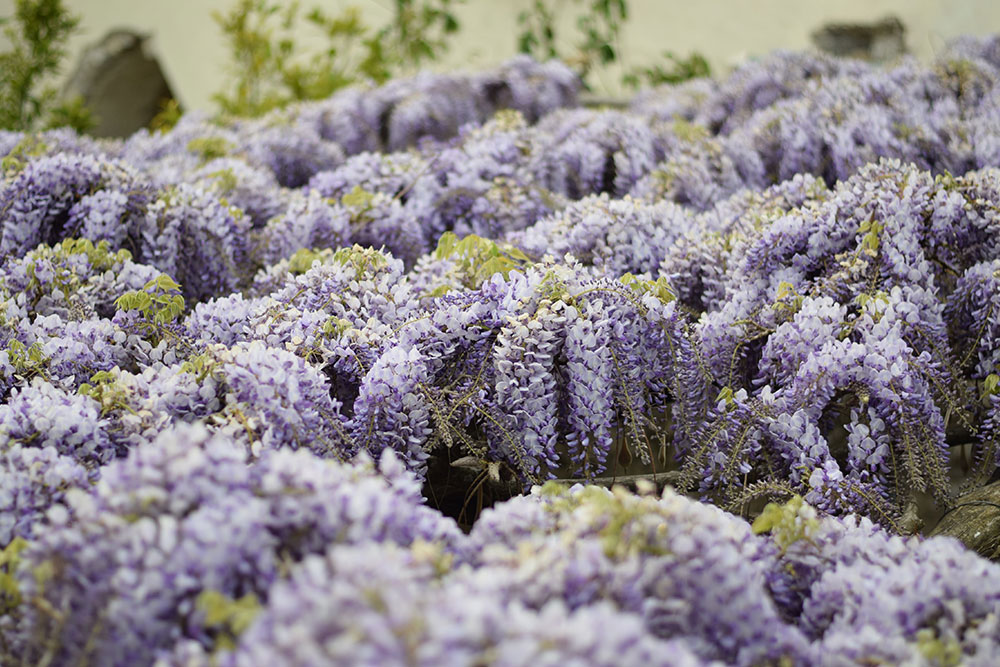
[236, 359]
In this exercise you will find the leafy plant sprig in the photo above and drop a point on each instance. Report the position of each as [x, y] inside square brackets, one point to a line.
[477, 259]
[677, 70]
[418, 33]
[107, 391]
[227, 616]
[660, 288]
[596, 43]
[271, 70]
[159, 300]
[158, 303]
[10, 561]
[37, 32]
[598, 29]
[31, 146]
[787, 523]
[28, 361]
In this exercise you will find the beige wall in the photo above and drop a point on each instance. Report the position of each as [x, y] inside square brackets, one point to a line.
[188, 43]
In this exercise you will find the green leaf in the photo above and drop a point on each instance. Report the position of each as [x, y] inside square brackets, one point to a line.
[163, 283]
[725, 395]
[143, 301]
[10, 561]
[492, 267]
[446, 245]
[942, 652]
[358, 198]
[336, 327]
[223, 612]
[991, 385]
[302, 261]
[37, 35]
[789, 523]
[210, 148]
[660, 288]
[440, 290]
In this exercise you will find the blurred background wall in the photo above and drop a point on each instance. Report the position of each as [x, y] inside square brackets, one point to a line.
[187, 41]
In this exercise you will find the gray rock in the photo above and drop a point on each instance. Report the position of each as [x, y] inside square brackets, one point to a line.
[974, 519]
[120, 82]
[878, 42]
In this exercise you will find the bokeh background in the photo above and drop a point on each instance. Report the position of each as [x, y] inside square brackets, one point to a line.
[189, 45]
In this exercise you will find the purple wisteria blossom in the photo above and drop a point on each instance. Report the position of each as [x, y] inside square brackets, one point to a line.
[186, 515]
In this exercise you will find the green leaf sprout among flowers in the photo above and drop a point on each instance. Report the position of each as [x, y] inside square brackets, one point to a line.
[159, 300]
[27, 361]
[158, 303]
[10, 560]
[789, 523]
[304, 259]
[991, 386]
[361, 259]
[660, 288]
[106, 390]
[940, 651]
[210, 148]
[227, 616]
[477, 259]
[31, 146]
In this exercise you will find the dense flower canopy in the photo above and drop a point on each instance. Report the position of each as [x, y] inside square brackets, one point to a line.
[237, 356]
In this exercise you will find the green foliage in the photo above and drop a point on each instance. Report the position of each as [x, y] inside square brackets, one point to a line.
[105, 389]
[418, 33]
[225, 180]
[597, 31]
[159, 301]
[596, 42]
[37, 32]
[335, 327]
[478, 259]
[789, 523]
[31, 146]
[200, 365]
[303, 260]
[361, 205]
[690, 132]
[101, 257]
[678, 70]
[227, 616]
[945, 652]
[872, 299]
[360, 258]
[10, 560]
[660, 288]
[433, 553]
[27, 361]
[726, 396]
[870, 241]
[168, 116]
[270, 70]
[787, 299]
[358, 199]
[538, 32]
[631, 524]
[72, 112]
[991, 386]
[64, 275]
[210, 148]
